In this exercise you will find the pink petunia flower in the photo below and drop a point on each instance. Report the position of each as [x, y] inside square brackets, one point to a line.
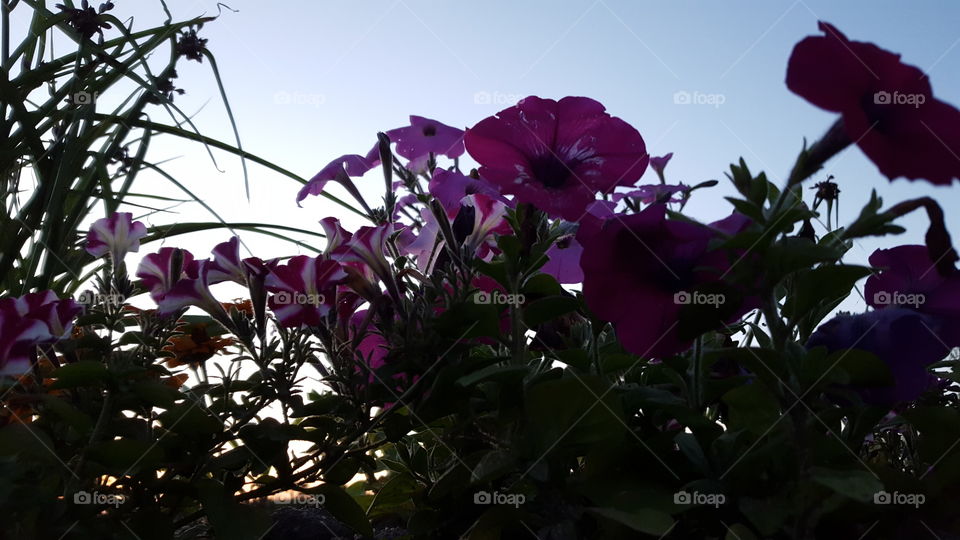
[557, 155]
[450, 188]
[425, 137]
[887, 106]
[348, 165]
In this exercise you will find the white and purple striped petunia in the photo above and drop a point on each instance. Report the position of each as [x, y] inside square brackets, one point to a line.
[116, 235]
[304, 290]
[30, 320]
[193, 291]
[335, 233]
[367, 246]
[161, 270]
[488, 217]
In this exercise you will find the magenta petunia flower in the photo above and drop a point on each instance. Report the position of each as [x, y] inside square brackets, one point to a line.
[909, 279]
[373, 348]
[564, 263]
[658, 164]
[116, 235]
[349, 165]
[641, 270]
[887, 106]
[450, 188]
[424, 137]
[304, 290]
[557, 155]
[161, 270]
[902, 338]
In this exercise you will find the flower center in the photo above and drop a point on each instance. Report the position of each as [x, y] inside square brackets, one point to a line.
[551, 171]
[429, 131]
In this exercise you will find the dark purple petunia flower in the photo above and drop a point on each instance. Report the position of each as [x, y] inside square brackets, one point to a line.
[902, 338]
[557, 155]
[349, 165]
[887, 106]
[909, 279]
[424, 137]
[304, 290]
[116, 235]
[161, 270]
[641, 271]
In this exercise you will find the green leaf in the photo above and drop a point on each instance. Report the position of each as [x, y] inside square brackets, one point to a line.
[229, 518]
[644, 520]
[127, 455]
[858, 485]
[546, 309]
[90, 373]
[343, 507]
[399, 490]
[752, 407]
[342, 471]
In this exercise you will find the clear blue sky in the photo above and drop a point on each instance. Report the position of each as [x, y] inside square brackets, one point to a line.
[350, 68]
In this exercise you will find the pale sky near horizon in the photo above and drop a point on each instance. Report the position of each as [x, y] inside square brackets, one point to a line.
[311, 80]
